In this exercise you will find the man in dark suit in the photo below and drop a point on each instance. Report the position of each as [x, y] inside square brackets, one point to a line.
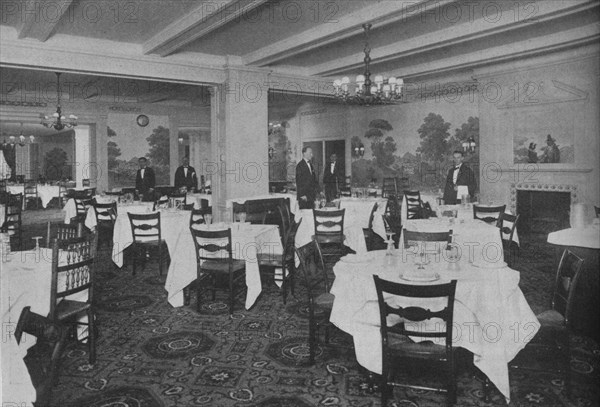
[307, 185]
[332, 177]
[185, 176]
[145, 181]
[459, 175]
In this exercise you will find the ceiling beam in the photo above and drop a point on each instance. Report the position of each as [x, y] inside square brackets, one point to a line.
[40, 18]
[479, 29]
[379, 14]
[206, 18]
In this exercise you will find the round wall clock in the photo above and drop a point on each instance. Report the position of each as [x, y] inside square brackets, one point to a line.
[142, 120]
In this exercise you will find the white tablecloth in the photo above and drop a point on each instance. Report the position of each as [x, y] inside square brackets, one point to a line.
[493, 337]
[247, 241]
[582, 237]
[45, 192]
[353, 230]
[195, 199]
[26, 281]
[476, 240]
[359, 211]
[70, 209]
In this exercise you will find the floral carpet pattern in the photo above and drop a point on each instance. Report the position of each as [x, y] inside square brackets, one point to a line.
[151, 354]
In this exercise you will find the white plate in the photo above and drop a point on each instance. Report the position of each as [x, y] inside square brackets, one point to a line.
[422, 279]
[486, 265]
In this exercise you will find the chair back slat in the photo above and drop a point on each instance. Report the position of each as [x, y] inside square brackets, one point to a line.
[329, 224]
[73, 263]
[414, 204]
[197, 216]
[161, 203]
[488, 214]
[565, 284]
[106, 213]
[212, 245]
[406, 301]
[145, 227]
[312, 267]
[412, 238]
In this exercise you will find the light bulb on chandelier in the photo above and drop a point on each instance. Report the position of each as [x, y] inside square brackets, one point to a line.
[366, 92]
[57, 120]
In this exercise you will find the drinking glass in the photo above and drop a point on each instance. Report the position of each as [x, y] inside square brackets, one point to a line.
[242, 217]
[208, 219]
[37, 242]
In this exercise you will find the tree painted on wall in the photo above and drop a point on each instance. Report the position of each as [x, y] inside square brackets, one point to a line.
[159, 154]
[434, 134]
[113, 150]
[55, 164]
[383, 149]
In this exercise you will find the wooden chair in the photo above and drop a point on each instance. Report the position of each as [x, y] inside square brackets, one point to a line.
[12, 220]
[488, 214]
[410, 340]
[161, 203]
[178, 198]
[73, 267]
[106, 216]
[403, 183]
[197, 216]
[389, 187]
[551, 345]
[147, 238]
[43, 359]
[329, 233]
[284, 260]
[204, 203]
[86, 182]
[30, 192]
[320, 300]
[81, 206]
[216, 266]
[62, 231]
[414, 205]
[368, 231]
[187, 207]
[507, 224]
[441, 240]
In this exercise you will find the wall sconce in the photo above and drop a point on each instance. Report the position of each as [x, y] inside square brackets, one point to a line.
[358, 151]
[271, 152]
[469, 145]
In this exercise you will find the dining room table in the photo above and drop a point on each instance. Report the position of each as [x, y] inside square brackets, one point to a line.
[26, 281]
[45, 192]
[247, 241]
[483, 288]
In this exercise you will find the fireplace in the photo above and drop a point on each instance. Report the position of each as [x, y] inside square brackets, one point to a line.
[544, 208]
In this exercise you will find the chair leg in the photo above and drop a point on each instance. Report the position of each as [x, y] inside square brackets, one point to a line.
[92, 336]
[284, 284]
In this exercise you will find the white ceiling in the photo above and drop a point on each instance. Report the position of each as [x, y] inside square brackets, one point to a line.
[415, 39]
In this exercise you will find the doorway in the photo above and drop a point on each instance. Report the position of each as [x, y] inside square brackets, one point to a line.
[322, 150]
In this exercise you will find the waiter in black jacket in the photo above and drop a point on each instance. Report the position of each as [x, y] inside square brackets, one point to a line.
[185, 176]
[332, 177]
[459, 175]
[307, 185]
[145, 180]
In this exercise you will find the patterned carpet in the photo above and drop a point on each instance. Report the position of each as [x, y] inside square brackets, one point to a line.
[151, 354]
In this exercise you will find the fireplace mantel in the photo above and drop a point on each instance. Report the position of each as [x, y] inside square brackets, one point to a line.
[533, 186]
[533, 171]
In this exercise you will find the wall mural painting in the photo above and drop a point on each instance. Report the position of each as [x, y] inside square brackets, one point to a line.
[280, 150]
[551, 148]
[426, 166]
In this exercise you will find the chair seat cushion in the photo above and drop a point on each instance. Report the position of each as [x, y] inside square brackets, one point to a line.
[222, 266]
[551, 319]
[67, 308]
[271, 259]
[404, 346]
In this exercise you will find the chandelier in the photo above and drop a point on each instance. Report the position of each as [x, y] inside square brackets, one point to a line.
[366, 92]
[12, 140]
[469, 145]
[57, 120]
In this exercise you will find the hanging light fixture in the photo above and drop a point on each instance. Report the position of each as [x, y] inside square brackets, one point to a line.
[469, 145]
[22, 140]
[366, 92]
[57, 120]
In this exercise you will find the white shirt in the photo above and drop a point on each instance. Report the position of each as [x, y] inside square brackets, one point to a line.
[332, 167]
[142, 172]
[185, 171]
[455, 175]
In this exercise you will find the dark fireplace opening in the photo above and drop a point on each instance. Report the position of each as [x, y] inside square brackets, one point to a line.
[543, 212]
